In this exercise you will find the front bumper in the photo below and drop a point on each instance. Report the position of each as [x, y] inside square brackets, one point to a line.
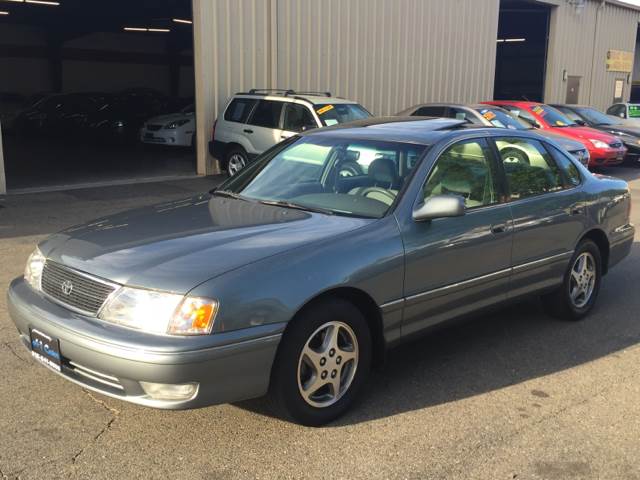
[607, 158]
[108, 359]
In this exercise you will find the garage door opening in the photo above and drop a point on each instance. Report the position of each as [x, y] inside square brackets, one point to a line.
[521, 53]
[95, 92]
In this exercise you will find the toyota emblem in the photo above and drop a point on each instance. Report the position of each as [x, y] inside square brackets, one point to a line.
[67, 287]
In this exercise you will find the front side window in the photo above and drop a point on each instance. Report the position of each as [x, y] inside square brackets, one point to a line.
[333, 114]
[529, 168]
[266, 114]
[340, 175]
[465, 169]
[297, 118]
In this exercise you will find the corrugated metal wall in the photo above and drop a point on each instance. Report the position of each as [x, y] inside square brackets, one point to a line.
[578, 43]
[388, 54]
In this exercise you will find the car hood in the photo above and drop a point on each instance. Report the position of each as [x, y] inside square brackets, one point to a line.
[172, 117]
[584, 133]
[178, 245]
[620, 130]
[565, 142]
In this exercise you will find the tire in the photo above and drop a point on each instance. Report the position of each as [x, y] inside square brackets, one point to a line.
[311, 335]
[561, 303]
[235, 160]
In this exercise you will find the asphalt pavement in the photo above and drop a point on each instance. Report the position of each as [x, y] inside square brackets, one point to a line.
[509, 395]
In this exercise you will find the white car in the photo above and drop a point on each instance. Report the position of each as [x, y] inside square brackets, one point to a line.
[255, 121]
[174, 129]
[628, 112]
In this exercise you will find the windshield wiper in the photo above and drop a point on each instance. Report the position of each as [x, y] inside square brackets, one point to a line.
[285, 204]
[227, 194]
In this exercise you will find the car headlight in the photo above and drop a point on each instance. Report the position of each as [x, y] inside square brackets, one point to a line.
[176, 124]
[598, 143]
[160, 312]
[33, 269]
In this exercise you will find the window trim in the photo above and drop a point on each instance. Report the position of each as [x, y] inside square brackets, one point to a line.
[569, 157]
[280, 118]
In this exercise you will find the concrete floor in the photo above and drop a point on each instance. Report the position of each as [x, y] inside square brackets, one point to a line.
[511, 395]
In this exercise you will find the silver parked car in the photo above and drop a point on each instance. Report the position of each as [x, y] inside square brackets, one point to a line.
[494, 116]
[292, 279]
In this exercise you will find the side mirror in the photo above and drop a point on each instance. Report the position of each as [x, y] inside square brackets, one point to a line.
[439, 206]
[621, 115]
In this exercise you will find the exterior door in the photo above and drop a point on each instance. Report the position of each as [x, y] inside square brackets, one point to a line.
[548, 212]
[296, 118]
[573, 90]
[456, 265]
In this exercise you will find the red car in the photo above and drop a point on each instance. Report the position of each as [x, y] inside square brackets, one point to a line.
[604, 149]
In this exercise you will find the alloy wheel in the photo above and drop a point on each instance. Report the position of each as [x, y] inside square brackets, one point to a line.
[583, 279]
[236, 163]
[327, 364]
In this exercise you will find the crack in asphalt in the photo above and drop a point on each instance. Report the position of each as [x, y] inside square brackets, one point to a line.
[15, 354]
[113, 411]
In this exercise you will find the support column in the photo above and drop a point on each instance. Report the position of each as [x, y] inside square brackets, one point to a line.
[205, 64]
[3, 178]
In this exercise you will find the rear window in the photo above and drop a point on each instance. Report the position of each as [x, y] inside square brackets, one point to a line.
[239, 110]
[332, 114]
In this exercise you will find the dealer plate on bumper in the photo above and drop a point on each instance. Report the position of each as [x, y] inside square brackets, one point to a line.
[45, 349]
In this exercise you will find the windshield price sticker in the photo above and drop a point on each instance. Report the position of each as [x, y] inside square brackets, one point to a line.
[324, 109]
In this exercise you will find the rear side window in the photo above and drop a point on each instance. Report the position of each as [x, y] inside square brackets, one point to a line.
[429, 112]
[571, 173]
[529, 168]
[266, 114]
[239, 110]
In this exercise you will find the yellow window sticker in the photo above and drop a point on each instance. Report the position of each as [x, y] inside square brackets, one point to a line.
[324, 109]
[489, 115]
[560, 123]
[538, 109]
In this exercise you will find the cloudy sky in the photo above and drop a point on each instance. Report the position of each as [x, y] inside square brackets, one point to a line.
[635, 2]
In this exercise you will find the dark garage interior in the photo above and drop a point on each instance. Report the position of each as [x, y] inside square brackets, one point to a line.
[523, 29]
[79, 81]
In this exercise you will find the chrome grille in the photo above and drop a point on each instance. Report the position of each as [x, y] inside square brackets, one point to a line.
[85, 294]
[153, 128]
[616, 144]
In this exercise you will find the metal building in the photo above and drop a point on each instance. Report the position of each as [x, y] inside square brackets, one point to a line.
[390, 54]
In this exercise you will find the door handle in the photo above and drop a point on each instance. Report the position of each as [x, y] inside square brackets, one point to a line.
[246, 130]
[499, 228]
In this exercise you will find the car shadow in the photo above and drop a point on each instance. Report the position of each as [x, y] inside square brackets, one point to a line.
[494, 351]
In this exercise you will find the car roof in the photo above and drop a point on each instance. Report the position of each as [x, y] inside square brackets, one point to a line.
[420, 130]
[315, 98]
[514, 102]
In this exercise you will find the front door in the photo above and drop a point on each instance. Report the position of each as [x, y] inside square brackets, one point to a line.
[573, 90]
[456, 265]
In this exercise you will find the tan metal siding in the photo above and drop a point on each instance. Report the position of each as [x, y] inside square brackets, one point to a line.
[578, 43]
[389, 54]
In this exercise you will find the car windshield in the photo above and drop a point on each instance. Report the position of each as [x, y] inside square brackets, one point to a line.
[335, 175]
[596, 117]
[334, 113]
[552, 116]
[502, 119]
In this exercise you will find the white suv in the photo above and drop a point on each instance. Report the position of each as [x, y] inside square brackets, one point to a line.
[255, 121]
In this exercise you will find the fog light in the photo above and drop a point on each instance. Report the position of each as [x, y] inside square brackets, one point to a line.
[167, 391]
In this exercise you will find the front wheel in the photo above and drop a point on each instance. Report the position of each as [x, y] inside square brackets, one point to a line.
[581, 284]
[323, 361]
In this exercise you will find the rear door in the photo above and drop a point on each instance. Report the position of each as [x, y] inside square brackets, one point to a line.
[263, 129]
[457, 265]
[548, 212]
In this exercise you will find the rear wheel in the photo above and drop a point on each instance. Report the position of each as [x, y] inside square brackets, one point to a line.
[323, 361]
[236, 160]
[581, 284]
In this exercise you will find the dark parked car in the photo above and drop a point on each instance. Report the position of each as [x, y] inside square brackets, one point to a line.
[291, 279]
[11, 104]
[492, 116]
[590, 117]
